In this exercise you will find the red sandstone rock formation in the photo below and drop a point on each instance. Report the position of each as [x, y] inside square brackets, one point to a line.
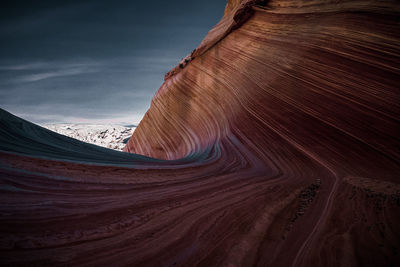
[282, 130]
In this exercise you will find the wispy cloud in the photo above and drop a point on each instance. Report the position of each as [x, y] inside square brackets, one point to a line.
[36, 71]
[66, 61]
[25, 66]
[52, 74]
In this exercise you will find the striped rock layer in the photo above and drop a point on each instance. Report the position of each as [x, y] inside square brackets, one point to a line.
[275, 143]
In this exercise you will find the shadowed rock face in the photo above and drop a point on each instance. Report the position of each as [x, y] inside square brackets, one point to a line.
[276, 144]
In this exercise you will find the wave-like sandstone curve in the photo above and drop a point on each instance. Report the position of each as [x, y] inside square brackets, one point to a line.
[275, 143]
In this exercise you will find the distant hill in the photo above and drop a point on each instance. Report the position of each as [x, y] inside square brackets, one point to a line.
[105, 135]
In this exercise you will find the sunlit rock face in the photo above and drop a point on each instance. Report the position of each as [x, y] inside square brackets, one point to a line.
[300, 90]
[275, 143]
[311, 69]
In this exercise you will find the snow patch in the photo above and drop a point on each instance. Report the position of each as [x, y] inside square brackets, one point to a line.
[110, 136]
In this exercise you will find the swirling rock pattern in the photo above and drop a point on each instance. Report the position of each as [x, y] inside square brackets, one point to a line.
[274, 144]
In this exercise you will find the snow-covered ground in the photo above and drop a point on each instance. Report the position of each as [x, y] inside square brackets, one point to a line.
[110, 136]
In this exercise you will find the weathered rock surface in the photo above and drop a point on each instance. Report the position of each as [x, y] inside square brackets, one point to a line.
[281, 133]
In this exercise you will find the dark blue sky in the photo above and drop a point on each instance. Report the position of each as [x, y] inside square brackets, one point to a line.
[94, 61]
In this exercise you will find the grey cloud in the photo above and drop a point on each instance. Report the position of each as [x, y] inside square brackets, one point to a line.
[94, 60]
[26, 66]
[58, 73]
[36, 71]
